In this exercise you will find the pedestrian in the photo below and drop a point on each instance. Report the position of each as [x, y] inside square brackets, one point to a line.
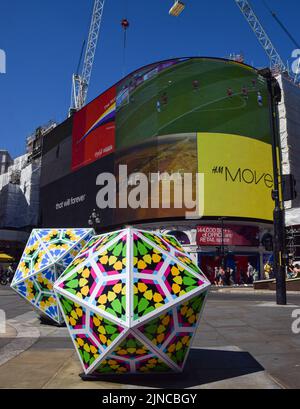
[267, 271]
[250, 274]
[158, 106]
[165, 99]
[245, 92]
[195, 85]
[255, 276]
[227, 276]
[232, 277]
[229, 92]
[218, 277]
[10, 273]
[290, 272]
[222, 277]
[296, 271]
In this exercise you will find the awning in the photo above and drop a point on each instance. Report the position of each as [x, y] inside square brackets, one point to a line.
[5, 258]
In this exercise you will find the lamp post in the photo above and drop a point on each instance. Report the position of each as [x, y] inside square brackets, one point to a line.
[94, 220]
[279, 246]
[221, 219]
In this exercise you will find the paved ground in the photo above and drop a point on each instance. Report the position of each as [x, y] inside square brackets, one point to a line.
[245, 341]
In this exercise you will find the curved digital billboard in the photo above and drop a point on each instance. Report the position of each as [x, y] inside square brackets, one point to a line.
[203, 117]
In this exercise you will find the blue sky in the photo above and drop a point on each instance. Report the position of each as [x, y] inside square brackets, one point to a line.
[42, 40]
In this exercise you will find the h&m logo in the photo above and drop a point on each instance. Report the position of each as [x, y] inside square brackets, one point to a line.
[248, 176]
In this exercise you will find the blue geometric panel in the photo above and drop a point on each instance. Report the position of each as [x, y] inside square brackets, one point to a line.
[47, 254]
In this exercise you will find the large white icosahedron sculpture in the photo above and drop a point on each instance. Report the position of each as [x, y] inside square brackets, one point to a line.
[132, 301]
[46, 255]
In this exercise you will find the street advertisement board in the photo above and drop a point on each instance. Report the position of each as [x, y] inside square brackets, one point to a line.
[227, 235]
[189, 116]
[238, 176]
[94, 130]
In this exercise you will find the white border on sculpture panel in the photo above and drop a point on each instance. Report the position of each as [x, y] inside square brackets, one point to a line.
[129, 273]
[26, 258]
[34, 304]
[88, 370]
[91, 256]
[106, 351]
[173, 249]
[173, 257]
[176, 329]
[197, 327]
[61, 231]
[50, 266]
[170, 305]
[187, 330]
[44, 247]
[102, 280]
[96, 310]
[157, 350]
[27, 243]
[132, 362]
[40, 293]
[73, 247]
[85, 250]
[171, 301]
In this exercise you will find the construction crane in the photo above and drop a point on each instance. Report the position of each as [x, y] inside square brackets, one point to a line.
[290, 36]
[80, 82]
[276, 62]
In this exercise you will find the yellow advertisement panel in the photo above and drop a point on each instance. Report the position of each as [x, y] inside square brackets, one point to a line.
[238, 176]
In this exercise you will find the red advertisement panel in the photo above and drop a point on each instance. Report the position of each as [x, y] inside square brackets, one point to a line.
[94, 130]
[231, 236]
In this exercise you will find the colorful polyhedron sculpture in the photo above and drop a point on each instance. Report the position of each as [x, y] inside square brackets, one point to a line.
[46, 256]
[132, 301]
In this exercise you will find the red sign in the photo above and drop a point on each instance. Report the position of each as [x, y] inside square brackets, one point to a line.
[228, 236]
[94, 130]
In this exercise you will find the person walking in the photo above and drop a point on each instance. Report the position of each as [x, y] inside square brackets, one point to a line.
[250, 274]
[222, 277]
[217, 276]
[10, 273]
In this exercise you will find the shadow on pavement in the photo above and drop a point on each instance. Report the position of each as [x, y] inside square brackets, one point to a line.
[203, 366]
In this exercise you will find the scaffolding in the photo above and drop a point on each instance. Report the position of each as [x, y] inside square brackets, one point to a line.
[293, 242]
[34, 142]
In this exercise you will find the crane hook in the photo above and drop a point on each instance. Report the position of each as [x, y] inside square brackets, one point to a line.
[125, 23]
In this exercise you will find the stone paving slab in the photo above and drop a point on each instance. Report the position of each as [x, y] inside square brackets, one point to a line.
[32, 369]
[241, 343]
[226, 367]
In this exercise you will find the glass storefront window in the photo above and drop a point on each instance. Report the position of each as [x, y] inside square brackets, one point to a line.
[233, 269]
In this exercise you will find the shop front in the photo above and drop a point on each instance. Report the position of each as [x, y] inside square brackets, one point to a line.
[232, 254]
